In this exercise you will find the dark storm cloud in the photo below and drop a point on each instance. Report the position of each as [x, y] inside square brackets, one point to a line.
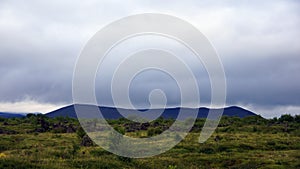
[33, 67]
[40, 42]
[258, 44]
[264, 81]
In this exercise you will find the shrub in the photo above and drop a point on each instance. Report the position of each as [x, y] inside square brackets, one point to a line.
[80, 132]
[75, 149]
[223, 148]
[207, 150]
[97, 152]
[125, 159]
[246, 147]
[153, 131]
[286, 118]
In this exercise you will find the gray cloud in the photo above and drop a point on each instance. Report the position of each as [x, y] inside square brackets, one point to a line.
[257, 43]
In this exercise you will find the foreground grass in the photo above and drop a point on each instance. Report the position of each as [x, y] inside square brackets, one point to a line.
[248, 146]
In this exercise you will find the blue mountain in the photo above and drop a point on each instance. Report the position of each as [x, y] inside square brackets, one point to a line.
[113, 113]
[11, 115]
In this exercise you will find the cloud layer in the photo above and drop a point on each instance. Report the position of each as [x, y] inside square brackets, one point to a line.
[257, 42]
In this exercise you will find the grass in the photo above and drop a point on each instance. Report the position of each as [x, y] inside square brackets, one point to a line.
[237, 143]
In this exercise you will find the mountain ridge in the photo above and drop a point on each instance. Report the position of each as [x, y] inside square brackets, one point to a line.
[11, 115]
[112, 113]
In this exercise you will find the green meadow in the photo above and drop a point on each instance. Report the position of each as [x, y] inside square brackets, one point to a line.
[36, 141]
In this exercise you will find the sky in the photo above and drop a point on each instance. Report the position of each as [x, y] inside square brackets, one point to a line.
[257, 42]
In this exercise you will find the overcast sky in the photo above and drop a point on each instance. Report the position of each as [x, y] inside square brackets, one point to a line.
[257, 41]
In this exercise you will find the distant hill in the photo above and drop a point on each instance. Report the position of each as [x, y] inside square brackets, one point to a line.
[11, 115]
[112, 113]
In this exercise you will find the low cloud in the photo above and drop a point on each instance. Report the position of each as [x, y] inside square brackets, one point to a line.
[28, 106]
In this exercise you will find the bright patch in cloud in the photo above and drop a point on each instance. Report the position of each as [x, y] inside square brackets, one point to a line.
[27, 107]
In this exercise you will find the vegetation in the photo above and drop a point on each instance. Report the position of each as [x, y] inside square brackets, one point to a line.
[36, 141]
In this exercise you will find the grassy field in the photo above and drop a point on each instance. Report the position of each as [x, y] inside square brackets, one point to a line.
[253, 142]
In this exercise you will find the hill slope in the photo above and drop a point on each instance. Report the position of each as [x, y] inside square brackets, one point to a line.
[11, 115]
[112, 113]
